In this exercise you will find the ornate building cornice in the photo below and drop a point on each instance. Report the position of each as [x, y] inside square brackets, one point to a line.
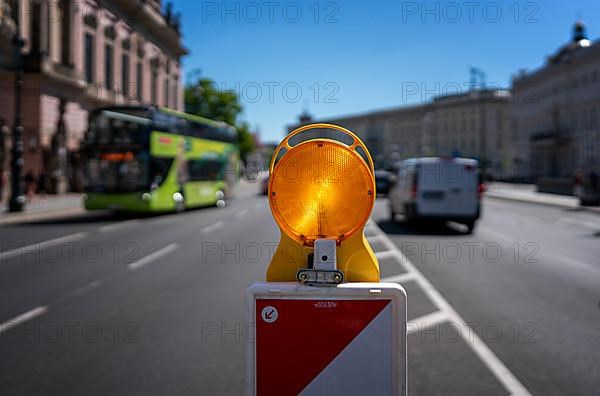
[143, 15]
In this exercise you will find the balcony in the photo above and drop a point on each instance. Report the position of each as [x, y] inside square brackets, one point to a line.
[148, 14]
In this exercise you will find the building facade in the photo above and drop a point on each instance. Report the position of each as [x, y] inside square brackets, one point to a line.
[78, 56]
[473, 124]
[556, 109]
[546, 129]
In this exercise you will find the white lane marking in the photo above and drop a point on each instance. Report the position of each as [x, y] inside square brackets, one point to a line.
[41, 245]
[493, 363]
[241, 213]
[24, 317]
[581, 223]
[87, 288]
[426, 321]
[117, 226]
[401, 278]
[496, 236]
[578, 263]
[373, 238]
[385, 254]
[213, 227]
[153, 257]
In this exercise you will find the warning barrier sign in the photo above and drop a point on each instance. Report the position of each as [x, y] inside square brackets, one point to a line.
[349, 339]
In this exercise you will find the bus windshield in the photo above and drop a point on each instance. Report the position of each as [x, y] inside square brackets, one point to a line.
[117, 172]
[110, 128]
[117, 153]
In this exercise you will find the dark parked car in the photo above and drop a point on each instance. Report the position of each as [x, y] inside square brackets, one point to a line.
[264, 183]
[382, 181]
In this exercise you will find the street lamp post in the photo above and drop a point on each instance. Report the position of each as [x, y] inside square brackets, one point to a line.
[17, 198]
[478, 78]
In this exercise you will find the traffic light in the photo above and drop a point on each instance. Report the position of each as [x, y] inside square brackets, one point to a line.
[322, 189]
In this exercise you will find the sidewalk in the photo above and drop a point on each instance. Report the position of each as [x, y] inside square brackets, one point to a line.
[72, 204]
[528, 193]
[40, 209]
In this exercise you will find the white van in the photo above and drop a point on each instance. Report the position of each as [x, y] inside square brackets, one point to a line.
[441, 189]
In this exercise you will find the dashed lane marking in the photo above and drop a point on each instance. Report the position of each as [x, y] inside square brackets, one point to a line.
[24, 317]
[241, 213]
[153, 257]
[118, 226]
[41, 245]
[212, 228]
[86, 289]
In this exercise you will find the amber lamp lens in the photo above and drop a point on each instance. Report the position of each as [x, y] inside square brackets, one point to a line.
[321, 189]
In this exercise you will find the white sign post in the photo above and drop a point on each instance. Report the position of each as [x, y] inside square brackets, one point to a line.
[348, 339]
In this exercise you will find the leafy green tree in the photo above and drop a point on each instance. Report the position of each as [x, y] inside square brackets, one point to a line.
[245, 139]
[205, 99]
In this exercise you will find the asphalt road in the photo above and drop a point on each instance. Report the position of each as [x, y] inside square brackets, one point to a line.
[155, 305]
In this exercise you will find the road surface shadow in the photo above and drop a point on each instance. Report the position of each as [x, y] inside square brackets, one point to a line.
[401, 227]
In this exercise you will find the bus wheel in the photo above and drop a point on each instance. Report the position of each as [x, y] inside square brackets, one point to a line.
[179, 202]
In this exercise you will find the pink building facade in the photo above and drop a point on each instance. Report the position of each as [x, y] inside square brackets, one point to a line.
[81, 55]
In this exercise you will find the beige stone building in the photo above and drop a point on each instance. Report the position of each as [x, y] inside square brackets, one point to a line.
[473, 124]
[555, 113]
[80, 55]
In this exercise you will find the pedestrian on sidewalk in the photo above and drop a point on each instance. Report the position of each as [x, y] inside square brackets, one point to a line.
[1, 184]
[578, 183]
[4, 131]
[29, 186]
[594, 183]
[42, 185]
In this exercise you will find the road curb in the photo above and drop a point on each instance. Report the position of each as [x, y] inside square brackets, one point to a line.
[39, 216]
[553, 204]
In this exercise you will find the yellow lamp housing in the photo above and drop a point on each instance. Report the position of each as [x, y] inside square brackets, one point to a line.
[322, 188]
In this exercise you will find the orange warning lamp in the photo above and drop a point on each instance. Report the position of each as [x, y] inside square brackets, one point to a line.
[322, 188]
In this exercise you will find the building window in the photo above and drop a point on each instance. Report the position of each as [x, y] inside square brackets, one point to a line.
[36, 26]
[125, 75]
[154, 88]
[175, 97]
[65, 12]
[166, 93]
[89, 58]
[140, 80]
[108, 66]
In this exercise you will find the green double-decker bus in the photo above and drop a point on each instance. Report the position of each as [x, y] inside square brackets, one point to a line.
[149, 159]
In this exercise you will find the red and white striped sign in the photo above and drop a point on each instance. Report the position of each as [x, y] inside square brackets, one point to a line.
[348, 339]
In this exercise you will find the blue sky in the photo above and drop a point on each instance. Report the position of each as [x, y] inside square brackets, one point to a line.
[345, 57]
